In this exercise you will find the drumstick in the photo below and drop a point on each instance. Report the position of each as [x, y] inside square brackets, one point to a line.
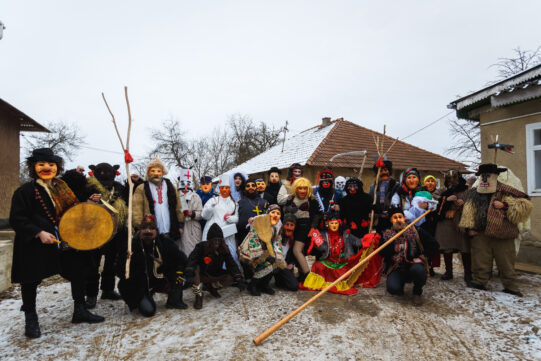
[57, 241]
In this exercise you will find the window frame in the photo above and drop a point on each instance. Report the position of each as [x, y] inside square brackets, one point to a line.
[530, 159]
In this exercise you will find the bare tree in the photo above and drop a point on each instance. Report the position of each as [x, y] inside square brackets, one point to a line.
[170, 144]
[522, 60]
[64, 139]
[467, 141]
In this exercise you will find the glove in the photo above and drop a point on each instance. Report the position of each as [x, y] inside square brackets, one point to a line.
[240, 284]
[188, 213]
[305, 207]
[270, 259]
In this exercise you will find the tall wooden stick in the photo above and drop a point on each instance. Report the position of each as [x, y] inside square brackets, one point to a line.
[286, 319]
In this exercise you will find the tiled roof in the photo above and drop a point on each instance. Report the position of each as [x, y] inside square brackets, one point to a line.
[317, 145]
[347, 136]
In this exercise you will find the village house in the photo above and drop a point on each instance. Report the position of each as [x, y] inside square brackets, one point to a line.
[511, 109]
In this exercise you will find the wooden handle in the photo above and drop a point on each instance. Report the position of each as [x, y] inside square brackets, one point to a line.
[277, 325]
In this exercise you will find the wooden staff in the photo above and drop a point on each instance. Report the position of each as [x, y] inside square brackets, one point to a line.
[286, 319]
[127, 161]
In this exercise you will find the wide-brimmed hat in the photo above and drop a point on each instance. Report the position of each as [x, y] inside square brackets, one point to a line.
[489, 168]
[44, 155]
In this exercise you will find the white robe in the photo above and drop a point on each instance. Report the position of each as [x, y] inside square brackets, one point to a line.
[192, 228]
[214, 211]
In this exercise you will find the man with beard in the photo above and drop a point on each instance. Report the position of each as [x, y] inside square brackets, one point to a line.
[102, 182]
[355, 208]
[294, 172]
[491, 214]
[205, 267]
[273, 186]
[205, 192]
[36, 209]
[406, 257]
[289, 223]
[386, 196]
[158, 196]
[156, 265]
[192, 208]
[250, 206]
[262, 251]
[325, 193]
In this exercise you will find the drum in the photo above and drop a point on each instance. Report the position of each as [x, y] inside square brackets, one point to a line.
[87, 226]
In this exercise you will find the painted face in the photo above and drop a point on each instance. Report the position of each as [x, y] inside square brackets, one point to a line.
[384, 174]
[412, 181]
[261, 185]
[185, 185]
[334, 225]
[274, 177]
[297, 173]
[275, 215]
[302, 192]
[46, 170]
[487, 183]
[250, 187]
[430, 184]
[326, 180]
[205, 187]
[353, 188]
[148, 233]
[398, 221]
[225, 191]
[289, 229]
[156, 174]
[238, 181]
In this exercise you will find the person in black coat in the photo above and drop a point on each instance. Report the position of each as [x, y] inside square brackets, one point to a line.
[355, 208]
[205, 267]
[36, 208]
[386, 195]
[156, 265]
[273, 186]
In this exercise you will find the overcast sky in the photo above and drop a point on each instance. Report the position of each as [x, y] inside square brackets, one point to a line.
[371, 62]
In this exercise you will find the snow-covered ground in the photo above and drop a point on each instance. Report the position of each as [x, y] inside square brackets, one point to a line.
[455, 323]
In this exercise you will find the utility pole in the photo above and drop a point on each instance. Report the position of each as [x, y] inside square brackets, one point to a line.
[285, 132]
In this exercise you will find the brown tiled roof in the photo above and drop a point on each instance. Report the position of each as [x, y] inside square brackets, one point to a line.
[347, 136]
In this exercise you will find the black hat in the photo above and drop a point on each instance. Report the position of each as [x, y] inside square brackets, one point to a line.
[289, 217]
[490, 168]
[206, 179]
[387, 162]
[44, 155]
[394, 210]
[274, 170]
[215, 232]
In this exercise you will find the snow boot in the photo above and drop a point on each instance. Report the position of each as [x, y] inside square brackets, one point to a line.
[448, 259]
[31, 325]
[90, 302]
[110, 295]
[81, 314]
[175, 299]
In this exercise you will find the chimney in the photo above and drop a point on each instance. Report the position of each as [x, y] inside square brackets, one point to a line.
[325, 121]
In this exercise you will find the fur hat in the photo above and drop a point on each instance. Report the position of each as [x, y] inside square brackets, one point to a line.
[274, 170]
[215, 232]
[395, 210]
[155, 163]
[357, 181]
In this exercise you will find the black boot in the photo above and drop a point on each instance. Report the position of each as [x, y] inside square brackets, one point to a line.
[448, 259]
[175, 299]
[252, 287]
[31, 327]
[466, 262]
[147, 306]
[110, 295]
[81, 314]
[91, 302]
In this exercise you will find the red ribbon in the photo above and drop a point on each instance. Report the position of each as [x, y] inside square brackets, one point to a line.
[127, 156]
[380, 163]
[117, 173]
[91, 173]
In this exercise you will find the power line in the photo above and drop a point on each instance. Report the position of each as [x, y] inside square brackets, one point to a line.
[428, 125]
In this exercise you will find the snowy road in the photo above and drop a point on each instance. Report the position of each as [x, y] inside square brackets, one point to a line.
[455, 323]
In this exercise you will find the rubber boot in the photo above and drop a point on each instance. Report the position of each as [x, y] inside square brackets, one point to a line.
[31, 325]
[448, 259]
[466, 262]
[81, 314]
[175, 299]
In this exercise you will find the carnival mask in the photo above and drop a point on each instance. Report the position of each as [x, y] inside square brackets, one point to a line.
[398, 221]
[105, 173]
[205, 187]
[185, 185]
[225, 191]
[384, 174]
[412, 181]
[275, 215]
[487, 183]
[340, 183]
[297, 173]
[326, 180]
[289, 229]
[334, 225]
[250, 187]
[46, 170]
[261, 185]
[148, 233]
[302, 192]
[430, 184]
[353, 188]
[274, 177]
[156, 175]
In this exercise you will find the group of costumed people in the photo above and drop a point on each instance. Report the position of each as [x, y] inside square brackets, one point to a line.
[243, 232]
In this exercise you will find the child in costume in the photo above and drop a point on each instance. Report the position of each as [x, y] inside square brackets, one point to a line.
[262, 250]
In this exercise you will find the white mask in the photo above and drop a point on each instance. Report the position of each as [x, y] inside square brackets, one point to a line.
[487, 183]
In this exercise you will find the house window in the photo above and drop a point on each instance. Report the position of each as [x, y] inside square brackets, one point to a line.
[533, 158]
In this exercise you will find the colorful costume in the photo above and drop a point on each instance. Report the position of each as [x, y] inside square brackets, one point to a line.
[192, 208]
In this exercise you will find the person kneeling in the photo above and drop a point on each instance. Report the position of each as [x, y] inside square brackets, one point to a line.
[205, 267]
[157, 265]
[262, 250]
[406, 257]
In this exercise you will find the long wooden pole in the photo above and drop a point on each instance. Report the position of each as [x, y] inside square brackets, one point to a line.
[130, 187]
[277, 325]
